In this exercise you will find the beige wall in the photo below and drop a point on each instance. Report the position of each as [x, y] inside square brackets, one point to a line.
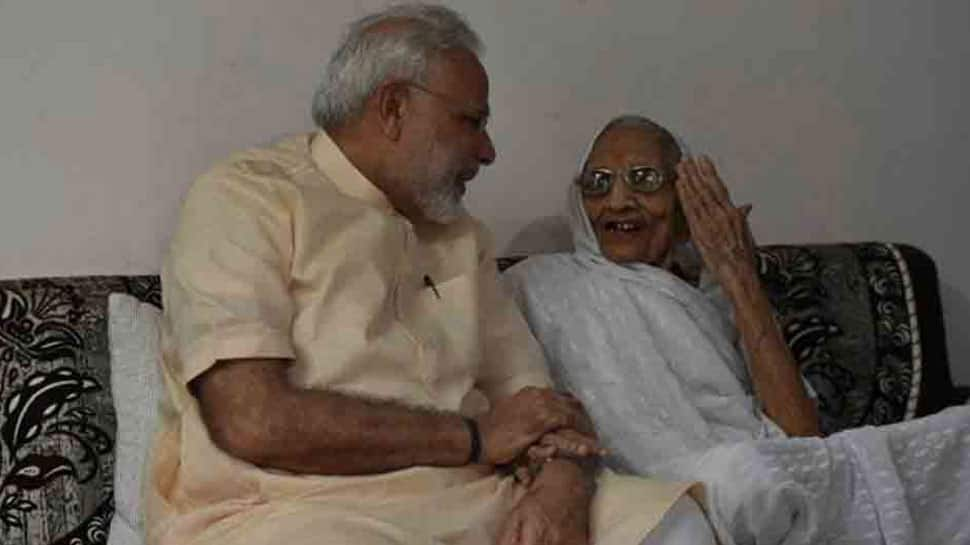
[838, 120]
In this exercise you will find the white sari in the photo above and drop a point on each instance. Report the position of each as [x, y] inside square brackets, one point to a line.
[656, 363]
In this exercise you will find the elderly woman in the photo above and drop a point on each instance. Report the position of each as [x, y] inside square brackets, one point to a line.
[658, 322]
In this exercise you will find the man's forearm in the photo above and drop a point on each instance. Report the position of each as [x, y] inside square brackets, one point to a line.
[253, 412]
[774, 371]
[336, 434]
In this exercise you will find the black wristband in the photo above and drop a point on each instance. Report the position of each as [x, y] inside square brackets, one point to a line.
[476, 441]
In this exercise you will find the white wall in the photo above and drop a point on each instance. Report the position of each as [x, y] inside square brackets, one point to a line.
[840, 121]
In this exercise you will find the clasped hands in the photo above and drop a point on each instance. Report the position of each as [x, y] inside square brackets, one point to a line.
[524, 431]
[536, 424]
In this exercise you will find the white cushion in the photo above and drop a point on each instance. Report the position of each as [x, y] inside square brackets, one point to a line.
[133, 329]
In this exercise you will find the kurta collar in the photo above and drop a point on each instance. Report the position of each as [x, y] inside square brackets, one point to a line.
[330, 159]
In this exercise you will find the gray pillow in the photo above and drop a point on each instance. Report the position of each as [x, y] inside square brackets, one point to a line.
[133, 329]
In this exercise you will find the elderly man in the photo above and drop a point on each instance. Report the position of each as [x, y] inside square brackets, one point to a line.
[340, 363]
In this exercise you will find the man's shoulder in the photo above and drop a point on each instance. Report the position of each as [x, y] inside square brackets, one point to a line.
[280, 168]
[281, 161]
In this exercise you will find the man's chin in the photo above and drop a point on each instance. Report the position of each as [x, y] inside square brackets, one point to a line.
[444, 215]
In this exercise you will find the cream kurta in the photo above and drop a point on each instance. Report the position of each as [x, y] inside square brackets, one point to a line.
[289, 252]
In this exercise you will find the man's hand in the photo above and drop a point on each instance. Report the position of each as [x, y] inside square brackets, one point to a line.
[518, 421]
[718, 228]
[555, 511]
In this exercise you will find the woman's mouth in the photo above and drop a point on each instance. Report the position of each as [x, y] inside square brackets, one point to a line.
[622, 226]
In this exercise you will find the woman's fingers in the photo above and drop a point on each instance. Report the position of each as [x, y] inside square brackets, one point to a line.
[572, 442]
[712, 180]
[710, 186]
[745, 213]
[685, 193]
[704, 194]
[709, 218]
[706, 209]
[718, 228]
[688, 184]
[541, 452]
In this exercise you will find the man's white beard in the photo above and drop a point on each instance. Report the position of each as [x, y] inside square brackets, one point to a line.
[442, 204]
[437, 191]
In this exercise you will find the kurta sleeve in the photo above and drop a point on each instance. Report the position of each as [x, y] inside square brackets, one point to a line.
[225, 281]
[513, 358]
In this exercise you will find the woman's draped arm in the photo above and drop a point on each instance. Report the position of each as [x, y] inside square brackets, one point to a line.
[720, 231]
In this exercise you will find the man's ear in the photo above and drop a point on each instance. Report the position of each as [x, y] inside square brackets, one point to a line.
[393, 101]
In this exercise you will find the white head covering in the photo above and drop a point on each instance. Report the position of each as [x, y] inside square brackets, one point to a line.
[584, 237]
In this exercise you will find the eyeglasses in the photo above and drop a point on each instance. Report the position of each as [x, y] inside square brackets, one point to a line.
[643, 179]
[476, 117]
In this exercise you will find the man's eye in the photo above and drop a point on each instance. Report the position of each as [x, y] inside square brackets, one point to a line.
[478, 122]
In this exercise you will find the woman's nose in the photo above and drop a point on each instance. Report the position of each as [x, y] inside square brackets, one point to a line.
[620, 194]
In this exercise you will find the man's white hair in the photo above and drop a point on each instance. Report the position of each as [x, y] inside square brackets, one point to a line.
[367, 58]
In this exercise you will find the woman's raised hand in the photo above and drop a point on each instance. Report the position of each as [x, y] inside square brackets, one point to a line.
[718, 228]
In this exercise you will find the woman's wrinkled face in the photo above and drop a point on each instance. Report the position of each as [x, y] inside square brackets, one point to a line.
[632, 225]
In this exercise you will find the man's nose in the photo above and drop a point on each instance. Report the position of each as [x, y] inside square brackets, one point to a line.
[486, 151]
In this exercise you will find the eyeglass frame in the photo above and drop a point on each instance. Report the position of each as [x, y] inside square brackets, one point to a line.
[663, 175]
[478, 117]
